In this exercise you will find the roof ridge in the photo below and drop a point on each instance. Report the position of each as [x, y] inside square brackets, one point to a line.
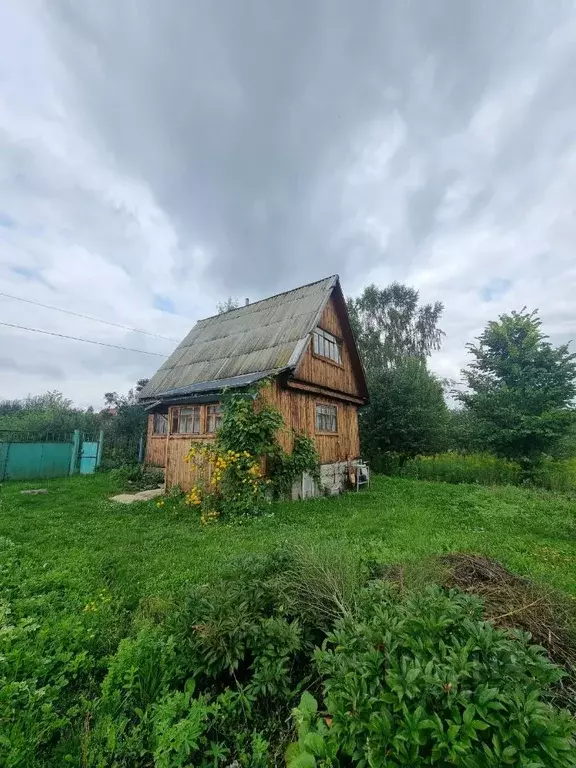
[273, 296]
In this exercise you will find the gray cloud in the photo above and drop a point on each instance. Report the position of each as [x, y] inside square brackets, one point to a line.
[156, 157]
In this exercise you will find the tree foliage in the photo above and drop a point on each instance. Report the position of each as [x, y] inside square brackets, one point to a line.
[520, 388]
[49, 412]
[407, 413]
[124, 422]
[390, 325]
[226, 306]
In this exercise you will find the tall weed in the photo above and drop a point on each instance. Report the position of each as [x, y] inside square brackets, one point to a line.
[480, 468]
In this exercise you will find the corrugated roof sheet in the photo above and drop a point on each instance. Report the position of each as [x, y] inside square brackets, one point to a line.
[215, 386]
[266, 336]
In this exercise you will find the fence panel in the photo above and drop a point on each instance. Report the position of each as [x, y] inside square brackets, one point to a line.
[28, 456]
[24, 461]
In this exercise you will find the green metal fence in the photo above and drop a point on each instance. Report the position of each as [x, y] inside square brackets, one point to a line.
[28, 455]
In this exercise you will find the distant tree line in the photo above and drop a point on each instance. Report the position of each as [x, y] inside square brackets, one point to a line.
[122, 419]
[518, 400]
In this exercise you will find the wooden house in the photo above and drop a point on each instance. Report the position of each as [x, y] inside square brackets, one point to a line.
[303, 341]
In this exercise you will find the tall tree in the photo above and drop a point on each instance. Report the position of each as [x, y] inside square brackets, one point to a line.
[521, 388]
[407, 414]
[390, 325]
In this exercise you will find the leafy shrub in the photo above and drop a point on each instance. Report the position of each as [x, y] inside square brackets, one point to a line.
[50, 651]
[139, 675]
[192, 731]
[138, 477]
[232, 481]
[242, 632]
[424, 681]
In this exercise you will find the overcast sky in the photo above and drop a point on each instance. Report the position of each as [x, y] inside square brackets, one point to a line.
[156, 157]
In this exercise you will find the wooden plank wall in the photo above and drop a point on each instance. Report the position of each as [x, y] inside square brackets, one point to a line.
[325, 373]
[155, 446]
[178, 471]
[299, 412]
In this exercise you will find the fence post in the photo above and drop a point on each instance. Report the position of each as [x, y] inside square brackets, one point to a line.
[100, 448]
[74, 456]
[141, 449]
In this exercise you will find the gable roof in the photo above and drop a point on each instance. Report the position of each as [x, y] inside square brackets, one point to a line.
[264, 338]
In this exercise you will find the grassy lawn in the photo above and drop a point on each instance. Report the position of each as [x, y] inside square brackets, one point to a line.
[99, 637]
[81, 538]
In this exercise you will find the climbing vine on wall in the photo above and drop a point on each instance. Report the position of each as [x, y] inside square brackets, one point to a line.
[234, 465]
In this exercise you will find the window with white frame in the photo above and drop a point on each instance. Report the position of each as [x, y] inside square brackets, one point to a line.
[327, 345]
[213, 418]
[326, 418]
[160, 424]
[186, 421]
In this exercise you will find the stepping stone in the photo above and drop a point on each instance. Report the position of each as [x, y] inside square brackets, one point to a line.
[36, 490]
[130, 498]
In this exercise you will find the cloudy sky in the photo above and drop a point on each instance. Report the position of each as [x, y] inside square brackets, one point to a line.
[157, 157]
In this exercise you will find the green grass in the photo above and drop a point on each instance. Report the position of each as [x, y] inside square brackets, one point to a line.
[77, 538]
[79, 574]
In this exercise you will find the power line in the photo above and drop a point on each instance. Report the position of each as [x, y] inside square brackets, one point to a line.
[86, 317]
[77, 338]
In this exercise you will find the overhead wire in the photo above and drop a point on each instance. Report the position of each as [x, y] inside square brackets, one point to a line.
[78, 338]
[86, 317]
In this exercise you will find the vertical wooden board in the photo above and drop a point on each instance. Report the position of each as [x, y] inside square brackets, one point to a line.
[179, 472]
[299, 412]
[155, 446]
[325, 373]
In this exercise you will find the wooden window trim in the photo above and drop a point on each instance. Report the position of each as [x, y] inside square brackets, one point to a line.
[339, 343]
[327, 359]
[208, 417]
[321, 431]
[176, 412]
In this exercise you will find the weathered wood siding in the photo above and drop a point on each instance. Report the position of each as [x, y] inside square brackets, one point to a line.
[325, 373]
[178, 471]
[155, 446]
[299, 412]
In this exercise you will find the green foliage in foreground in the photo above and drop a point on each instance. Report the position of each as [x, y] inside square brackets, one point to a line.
[422, 680]
[480, 468]
[95, 595]
[413, 678]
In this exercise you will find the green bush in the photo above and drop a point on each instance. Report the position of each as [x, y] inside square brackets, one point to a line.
[210, 680]
[424, 681]
[138, 477]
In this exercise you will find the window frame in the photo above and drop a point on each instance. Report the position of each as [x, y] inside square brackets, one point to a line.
[155, 431]
[195, 416]
[321, 340]
[331, 406]
[216, 414]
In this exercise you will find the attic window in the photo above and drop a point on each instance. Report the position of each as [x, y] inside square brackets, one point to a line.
[327, 345]
[160, 425]
[186, 421]
[213, 418]
[326, 418]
